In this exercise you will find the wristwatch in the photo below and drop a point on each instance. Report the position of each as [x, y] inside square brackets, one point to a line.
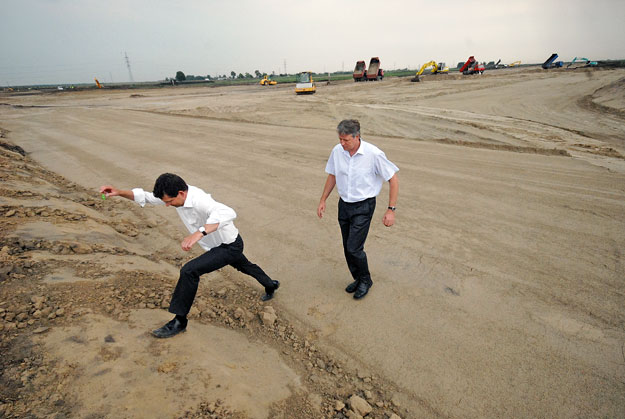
[203, 231]
[392, 208]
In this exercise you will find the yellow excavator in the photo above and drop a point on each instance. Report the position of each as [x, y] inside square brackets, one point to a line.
[436, 68]
[266, 81]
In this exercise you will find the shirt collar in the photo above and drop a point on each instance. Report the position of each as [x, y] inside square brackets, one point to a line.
[361, 148]
[188, 203]
[359, 151]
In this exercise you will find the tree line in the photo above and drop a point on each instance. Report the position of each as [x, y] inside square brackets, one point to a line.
[180, 76]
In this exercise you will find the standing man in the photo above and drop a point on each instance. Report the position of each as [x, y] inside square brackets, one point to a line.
[211, 225]
[358, 170]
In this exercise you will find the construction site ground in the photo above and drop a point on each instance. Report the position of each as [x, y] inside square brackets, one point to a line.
[498, 293]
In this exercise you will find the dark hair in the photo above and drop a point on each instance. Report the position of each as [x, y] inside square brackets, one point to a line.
[169, 184]
[349, 127]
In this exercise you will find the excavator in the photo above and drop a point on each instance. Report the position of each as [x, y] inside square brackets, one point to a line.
[304, 83]
[266, 81]
[586, 61]
[436, 68]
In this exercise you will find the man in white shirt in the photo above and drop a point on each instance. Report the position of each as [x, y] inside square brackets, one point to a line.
[358, 169]
[211, 225]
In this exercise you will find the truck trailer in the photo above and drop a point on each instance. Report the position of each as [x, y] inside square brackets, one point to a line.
[360, 71]
[375, 72]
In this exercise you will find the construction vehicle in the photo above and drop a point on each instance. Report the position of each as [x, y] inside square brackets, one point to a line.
[472, 66]
[375, 72]
[550, 63]
[492, 65]
[97, 83]
[514, 64]
[304, 83]
[360, 71]
[586, 61]
[435, 69]
[266, 81]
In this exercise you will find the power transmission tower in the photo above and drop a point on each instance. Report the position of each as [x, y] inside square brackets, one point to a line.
[132, 80]
[285, 67]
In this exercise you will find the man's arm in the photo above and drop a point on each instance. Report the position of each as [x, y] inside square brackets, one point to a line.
[327, 189]
[217, 214]
[191, 239]
[109, 190]
[389, 216]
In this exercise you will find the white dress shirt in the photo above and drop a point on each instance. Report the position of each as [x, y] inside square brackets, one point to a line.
[199, 208]
[360, 176]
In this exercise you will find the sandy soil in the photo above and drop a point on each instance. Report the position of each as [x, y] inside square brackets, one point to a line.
[498, 293]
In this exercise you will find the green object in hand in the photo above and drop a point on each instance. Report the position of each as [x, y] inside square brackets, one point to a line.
[103, 196]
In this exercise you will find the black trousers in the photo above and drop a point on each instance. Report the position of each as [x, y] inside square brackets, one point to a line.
[354, 220]
[218, 257]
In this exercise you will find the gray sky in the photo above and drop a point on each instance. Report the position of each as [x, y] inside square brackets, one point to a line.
[73, 41]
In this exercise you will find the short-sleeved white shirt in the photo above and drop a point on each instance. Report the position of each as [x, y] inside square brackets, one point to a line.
[360, 176]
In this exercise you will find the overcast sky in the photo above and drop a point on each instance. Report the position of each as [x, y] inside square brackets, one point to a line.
[73, 41]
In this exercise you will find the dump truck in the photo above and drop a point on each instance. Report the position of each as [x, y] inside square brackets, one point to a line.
[304, 83]
[472, 66]
[375, 72]
[360, 71]
[551, 62]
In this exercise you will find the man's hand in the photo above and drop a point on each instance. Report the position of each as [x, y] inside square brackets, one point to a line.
[321, 209]
[109, 190]
[189, 241]
[389, 218]
[327, 188]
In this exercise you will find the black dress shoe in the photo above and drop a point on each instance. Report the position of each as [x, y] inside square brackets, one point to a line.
[172, 328]
[352, 287]
[269, 293]
[362, 290]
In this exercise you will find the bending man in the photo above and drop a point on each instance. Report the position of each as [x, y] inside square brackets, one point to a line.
[211, 225]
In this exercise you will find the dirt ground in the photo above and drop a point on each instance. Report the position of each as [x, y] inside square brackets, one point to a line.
[498, 293]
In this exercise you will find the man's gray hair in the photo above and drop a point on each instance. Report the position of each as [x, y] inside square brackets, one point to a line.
[349, 127]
